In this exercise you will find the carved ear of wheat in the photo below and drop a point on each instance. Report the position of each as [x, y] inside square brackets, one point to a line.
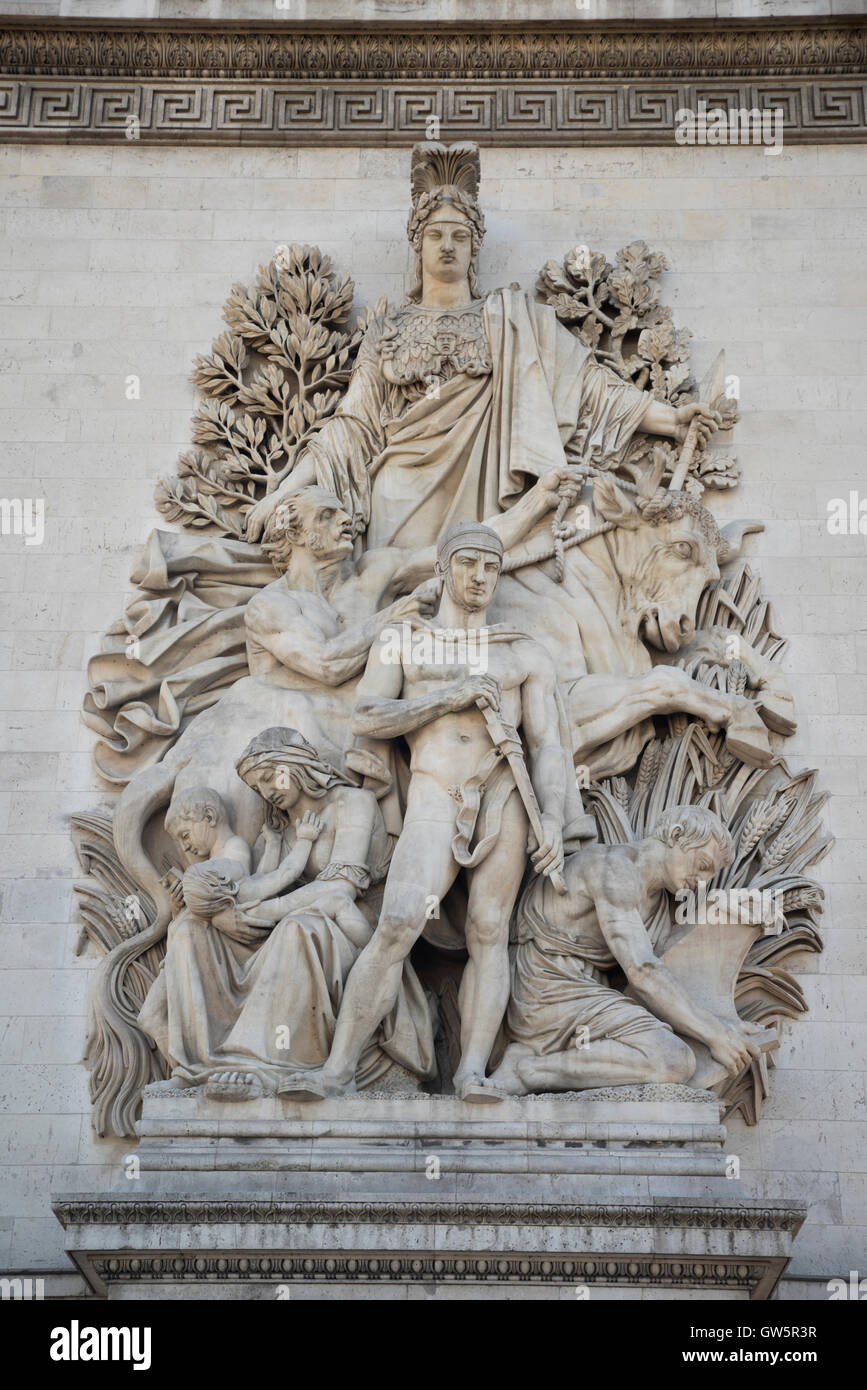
[121, 1059]
[736, 603]
[612, 816]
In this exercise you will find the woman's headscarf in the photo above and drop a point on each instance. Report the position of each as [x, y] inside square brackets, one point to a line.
[288, 749]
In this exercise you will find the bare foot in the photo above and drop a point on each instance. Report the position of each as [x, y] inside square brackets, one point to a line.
[314, 1085]
[506, 1078]
[173, 1083]
[233, 1085]
[544, 1075]
[476, 1088]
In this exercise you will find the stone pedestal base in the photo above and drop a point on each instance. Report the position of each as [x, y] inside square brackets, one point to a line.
[620, 1193]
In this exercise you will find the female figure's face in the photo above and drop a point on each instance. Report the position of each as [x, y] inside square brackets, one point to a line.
[277, 785]
[447, 246]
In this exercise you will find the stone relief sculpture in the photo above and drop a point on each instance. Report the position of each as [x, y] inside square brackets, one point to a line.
[571, 1029]
[466, 806]
[444, 574]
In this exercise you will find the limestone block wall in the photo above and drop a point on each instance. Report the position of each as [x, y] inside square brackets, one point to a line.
[115, 263]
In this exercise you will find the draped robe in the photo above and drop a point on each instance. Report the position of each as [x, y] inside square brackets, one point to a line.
[265, 1000]
[471, 447]
[406, 469]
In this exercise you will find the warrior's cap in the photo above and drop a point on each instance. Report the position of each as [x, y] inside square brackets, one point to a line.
[467, 535]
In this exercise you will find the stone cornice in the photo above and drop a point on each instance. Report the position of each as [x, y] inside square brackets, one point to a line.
[746, 1276]
[108, 1211]
[522, 83]
[688, 50]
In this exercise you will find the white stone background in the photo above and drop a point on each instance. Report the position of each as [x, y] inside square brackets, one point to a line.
[117, 261]
[463, 11]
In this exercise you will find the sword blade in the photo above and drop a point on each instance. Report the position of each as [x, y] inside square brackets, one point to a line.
[505, 737]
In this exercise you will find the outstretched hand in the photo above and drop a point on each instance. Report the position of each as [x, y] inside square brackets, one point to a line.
[308, 827]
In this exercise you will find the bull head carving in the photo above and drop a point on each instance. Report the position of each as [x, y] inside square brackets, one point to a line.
[669, 549]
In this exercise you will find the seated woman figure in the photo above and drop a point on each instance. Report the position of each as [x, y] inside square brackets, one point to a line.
[293, 988]
[289, 774]
[199, 990]
[252, 982]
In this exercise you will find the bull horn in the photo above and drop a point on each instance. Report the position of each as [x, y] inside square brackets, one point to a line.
[650, 481]
[733, 537]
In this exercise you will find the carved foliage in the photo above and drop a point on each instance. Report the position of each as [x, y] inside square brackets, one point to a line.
[117, 916]
[265, 387]
[451, 50]
[617, 311]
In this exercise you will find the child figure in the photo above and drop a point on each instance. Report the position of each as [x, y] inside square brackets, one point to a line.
[199, 825]
[200, 989]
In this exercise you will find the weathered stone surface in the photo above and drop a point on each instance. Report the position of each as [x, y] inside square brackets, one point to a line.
[112, 443]
[549, 1193]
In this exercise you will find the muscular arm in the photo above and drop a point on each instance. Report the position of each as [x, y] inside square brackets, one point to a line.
[381, 713]
[547, 758]
[512, 526]
[615, 889]
[660, 419]
[298, 644]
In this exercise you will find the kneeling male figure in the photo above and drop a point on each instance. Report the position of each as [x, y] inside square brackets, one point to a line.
[570, 1029]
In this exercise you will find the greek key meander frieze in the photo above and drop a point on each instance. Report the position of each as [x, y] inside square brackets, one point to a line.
[524, 112]
[596, 85]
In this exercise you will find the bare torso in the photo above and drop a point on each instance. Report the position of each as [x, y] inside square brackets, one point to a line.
[334, 811]
[574, 915]
[348, 603]
[458, 742]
